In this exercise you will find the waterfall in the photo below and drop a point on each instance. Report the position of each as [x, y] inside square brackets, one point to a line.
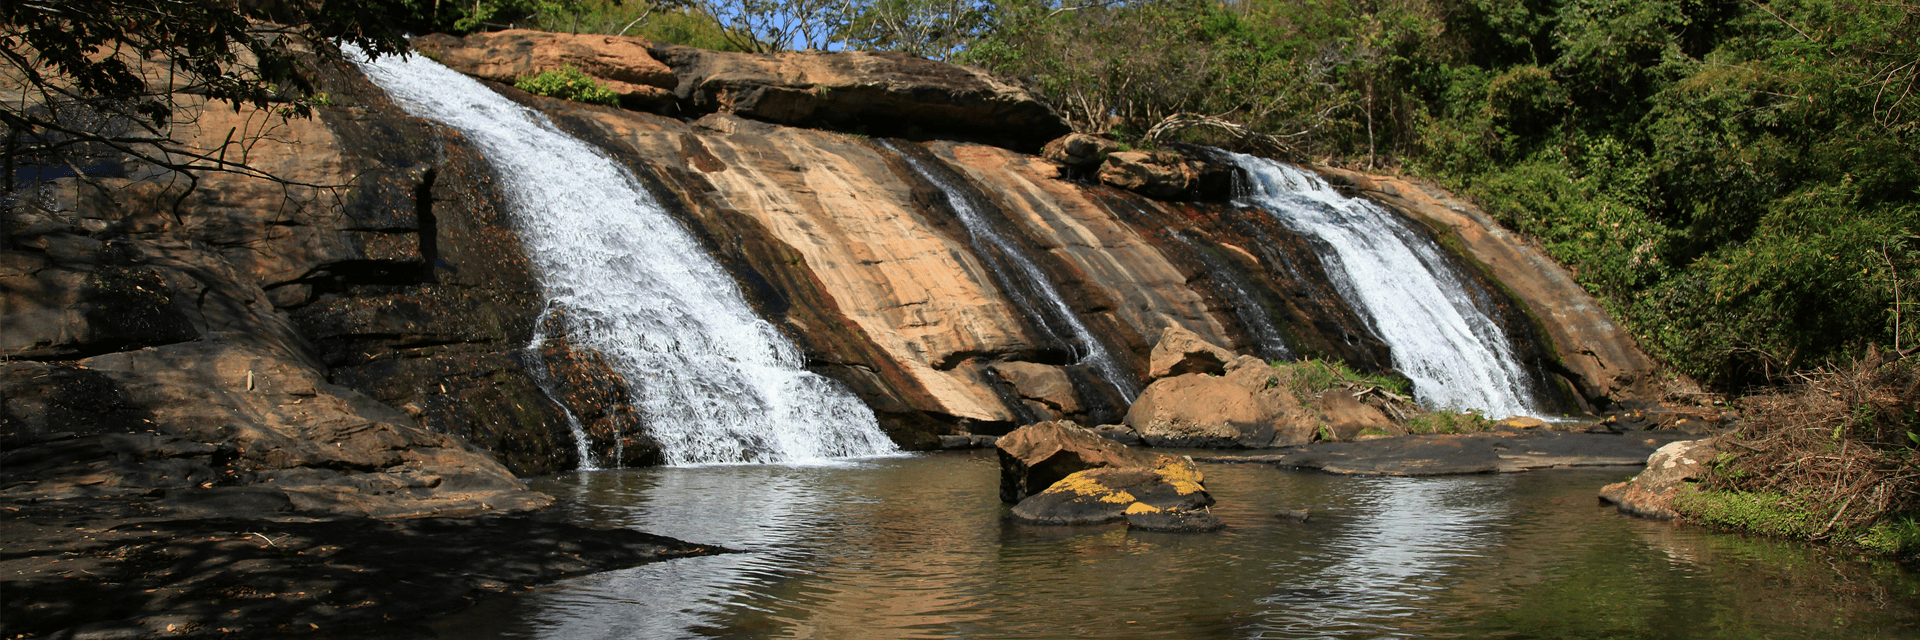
[1404, 287]
[714, 383]
[1088, 349]
[1252, 314]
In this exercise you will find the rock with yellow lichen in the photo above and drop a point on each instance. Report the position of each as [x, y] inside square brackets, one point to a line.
[1167, 496]
[1036, 456]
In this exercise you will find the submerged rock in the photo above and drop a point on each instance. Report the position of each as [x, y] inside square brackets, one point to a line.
[1174, 521]
[1107, 495]
[1670, 472]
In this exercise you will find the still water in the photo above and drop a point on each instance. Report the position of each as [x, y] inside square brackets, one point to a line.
[918, 547]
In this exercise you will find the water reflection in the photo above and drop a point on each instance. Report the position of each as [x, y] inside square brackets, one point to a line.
[919, 548]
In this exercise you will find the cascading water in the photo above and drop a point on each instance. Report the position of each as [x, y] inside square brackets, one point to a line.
[1404, 287]
[1090, 351]
[714, 383]
[1251, 313]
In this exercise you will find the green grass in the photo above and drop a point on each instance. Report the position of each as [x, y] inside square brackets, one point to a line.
[568, 83]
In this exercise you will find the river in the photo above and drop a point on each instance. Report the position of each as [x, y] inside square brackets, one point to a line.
[919, 547]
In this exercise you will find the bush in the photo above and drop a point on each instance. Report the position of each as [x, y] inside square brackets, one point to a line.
[568, 83]
[1835, 458]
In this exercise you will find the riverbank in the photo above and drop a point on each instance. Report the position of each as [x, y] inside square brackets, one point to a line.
[120, 568]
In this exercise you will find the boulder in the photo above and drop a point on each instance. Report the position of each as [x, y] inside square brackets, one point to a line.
[1044, 385]
[1161, 175]
[1346, 417]
[1107, 495]
[623, 64]
[1079, 150]
[1034, 457]
[1180, 352]
[879, 93]
[1249, 407]
[1670, 472]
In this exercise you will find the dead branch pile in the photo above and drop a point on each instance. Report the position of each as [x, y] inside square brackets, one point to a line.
[1840, 442]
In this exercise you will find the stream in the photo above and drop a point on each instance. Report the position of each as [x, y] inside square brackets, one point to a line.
[919, 547]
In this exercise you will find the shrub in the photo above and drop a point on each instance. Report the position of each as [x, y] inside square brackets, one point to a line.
[568, 83]
[1832, 458]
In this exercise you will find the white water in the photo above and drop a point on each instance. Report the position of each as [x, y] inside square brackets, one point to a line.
[714, 382]
[1092, 353]
[1406, 290]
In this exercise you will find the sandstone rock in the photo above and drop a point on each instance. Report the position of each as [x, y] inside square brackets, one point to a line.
[229, 430]
[1111, 494]
[882, 93]
[1520, 422]
[1249, 407]
[1345, 417]
[1161, 175]
[505, 56]
[1180, 352]
[1047, 385]
[1036, 456]
[1669, 473]
[1079, 150]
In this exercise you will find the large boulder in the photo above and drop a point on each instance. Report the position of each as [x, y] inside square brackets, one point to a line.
[1036, 456]
[1180, 352]
[1671, 471]
[1112, 494]
[1248, 407]
[879, 93]
[1079, 150]
[1167, 175]
[623, 64]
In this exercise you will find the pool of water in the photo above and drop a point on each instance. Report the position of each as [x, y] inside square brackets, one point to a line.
[919, 547]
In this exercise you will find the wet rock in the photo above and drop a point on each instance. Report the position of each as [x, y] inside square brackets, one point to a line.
[1174, 521]
[1486, 452]
[1293, 515]
[967, 441]
[1034, 457]
[1120, 433]
[1111, 494]
[1670, 472]
[623, 64]
[1079, 150]
[1181, 352]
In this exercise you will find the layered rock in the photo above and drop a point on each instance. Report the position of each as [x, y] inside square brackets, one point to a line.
[1167, 175]
[622, 64]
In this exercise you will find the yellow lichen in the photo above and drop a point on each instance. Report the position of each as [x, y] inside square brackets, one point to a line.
[1142, 507]
[1182, 474]
[1118, 498]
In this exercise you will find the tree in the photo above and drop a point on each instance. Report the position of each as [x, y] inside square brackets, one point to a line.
[935, 29]
[112, 75]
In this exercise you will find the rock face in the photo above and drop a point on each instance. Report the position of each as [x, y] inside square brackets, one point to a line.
[1670, 472]
[623, 64]
[1036, 456]
[1602, 363]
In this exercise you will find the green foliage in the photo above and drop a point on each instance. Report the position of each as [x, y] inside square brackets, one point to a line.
[1310, 376]
[1447, 421]
[1764, 513]
[1898, 536]
[568, 83]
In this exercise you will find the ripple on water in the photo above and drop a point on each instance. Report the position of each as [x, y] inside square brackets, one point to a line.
[920, 548]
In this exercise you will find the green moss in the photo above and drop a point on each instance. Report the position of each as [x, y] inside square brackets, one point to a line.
[568, 83]
[1899, 536]
[1770, 514]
